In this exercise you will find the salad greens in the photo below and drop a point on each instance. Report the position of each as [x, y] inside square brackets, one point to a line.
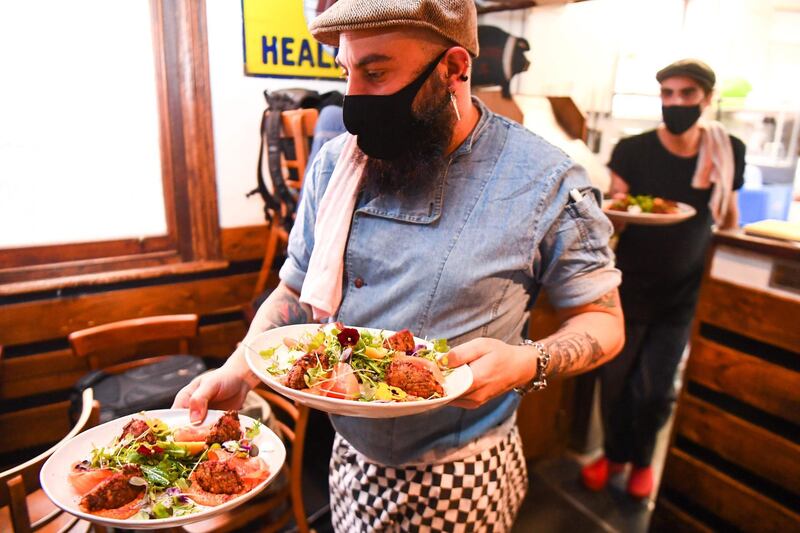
[361, 349]
[643, 203]
[166, 466]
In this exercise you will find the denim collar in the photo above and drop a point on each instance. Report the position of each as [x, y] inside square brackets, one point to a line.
[426, 207]
[477, 131]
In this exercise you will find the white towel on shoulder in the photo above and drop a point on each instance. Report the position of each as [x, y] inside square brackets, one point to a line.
[322, 288]
[715, 167]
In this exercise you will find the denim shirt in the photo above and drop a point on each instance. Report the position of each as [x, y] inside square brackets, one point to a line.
[464, 259]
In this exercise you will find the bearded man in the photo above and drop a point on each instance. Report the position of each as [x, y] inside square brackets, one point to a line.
[436, 215]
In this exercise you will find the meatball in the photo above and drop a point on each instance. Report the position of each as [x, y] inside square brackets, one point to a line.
[218, 477]
[402, 341]
[296, 376]
[114, 491]
[137, 427]
[227, 428]
[413, 377]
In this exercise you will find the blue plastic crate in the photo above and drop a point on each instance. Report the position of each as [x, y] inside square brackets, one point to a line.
[767, 201]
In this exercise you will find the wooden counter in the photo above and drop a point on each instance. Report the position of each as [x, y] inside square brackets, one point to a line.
[734, 457]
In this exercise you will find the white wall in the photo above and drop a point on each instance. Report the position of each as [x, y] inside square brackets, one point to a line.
[237, 103]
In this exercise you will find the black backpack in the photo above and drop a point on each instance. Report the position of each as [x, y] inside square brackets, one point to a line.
[278, 198]
[148, 387]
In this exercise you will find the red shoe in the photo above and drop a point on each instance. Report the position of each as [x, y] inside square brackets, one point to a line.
[595, 475]
[640, 484]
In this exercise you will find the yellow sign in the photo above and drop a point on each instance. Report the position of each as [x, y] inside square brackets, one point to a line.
[277, 42]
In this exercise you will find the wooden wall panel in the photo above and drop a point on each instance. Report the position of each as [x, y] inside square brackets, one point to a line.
[672, 519]
[42, 372]
[754, 381]
[725, 497]
[218, 340]
[734, 458]
[244, 243]
[740, 442]
[34, 427]
[48, 319]
[59, 370]
[53, 368]
[761, 315]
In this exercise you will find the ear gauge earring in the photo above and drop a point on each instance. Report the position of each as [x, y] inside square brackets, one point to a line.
[463, 77]
[455, 105]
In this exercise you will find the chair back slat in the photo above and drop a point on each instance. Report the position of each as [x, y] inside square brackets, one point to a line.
[275, 400]
[18, 482]
[128, 365]
[100, 343]
[49, 517]
[18, 505]
[299, 125]
[286, 431]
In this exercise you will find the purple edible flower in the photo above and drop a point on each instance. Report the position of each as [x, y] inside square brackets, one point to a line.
[348, 337]
[176, 493]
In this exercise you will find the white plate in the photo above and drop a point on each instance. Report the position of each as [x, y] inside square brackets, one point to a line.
[455, 384]
[54, 473]
[685, 211]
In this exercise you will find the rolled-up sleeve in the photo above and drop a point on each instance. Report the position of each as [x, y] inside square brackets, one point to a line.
[576, 265]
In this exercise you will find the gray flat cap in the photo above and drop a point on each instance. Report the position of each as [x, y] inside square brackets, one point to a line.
[456, 20]
[692, 68]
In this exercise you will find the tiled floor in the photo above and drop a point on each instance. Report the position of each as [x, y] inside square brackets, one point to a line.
[558, 502]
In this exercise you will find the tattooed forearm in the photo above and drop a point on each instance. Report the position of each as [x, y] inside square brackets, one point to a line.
[571, 351]
[282, 308]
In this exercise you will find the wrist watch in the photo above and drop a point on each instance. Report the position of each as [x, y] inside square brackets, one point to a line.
[539, 380]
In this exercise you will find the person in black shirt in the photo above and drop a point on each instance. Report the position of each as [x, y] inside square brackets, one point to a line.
[662, 267]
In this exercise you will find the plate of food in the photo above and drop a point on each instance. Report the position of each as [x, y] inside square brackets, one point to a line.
[647, 210]
[155, 470]
[353, 371]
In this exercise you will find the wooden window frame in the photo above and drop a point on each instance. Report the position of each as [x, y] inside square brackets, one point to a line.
[187, 159]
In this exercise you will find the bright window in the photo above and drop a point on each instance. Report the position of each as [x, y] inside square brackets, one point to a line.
[79, 135]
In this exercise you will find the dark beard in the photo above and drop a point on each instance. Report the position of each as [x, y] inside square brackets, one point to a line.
[415, 171]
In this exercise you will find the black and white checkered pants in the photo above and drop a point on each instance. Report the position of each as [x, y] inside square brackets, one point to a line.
[482, 492]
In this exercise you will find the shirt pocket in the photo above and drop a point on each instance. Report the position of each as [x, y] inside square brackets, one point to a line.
[592, 224]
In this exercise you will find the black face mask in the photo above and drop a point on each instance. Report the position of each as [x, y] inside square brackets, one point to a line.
[679, 118]
[384, 123]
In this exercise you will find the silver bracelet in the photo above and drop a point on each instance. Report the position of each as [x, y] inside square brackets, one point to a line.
[539, 380]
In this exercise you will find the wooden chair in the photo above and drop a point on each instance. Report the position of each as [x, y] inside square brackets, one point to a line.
[23, 505]
[18, 436]
[116, 347]
[298, 124]
[272, 510]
